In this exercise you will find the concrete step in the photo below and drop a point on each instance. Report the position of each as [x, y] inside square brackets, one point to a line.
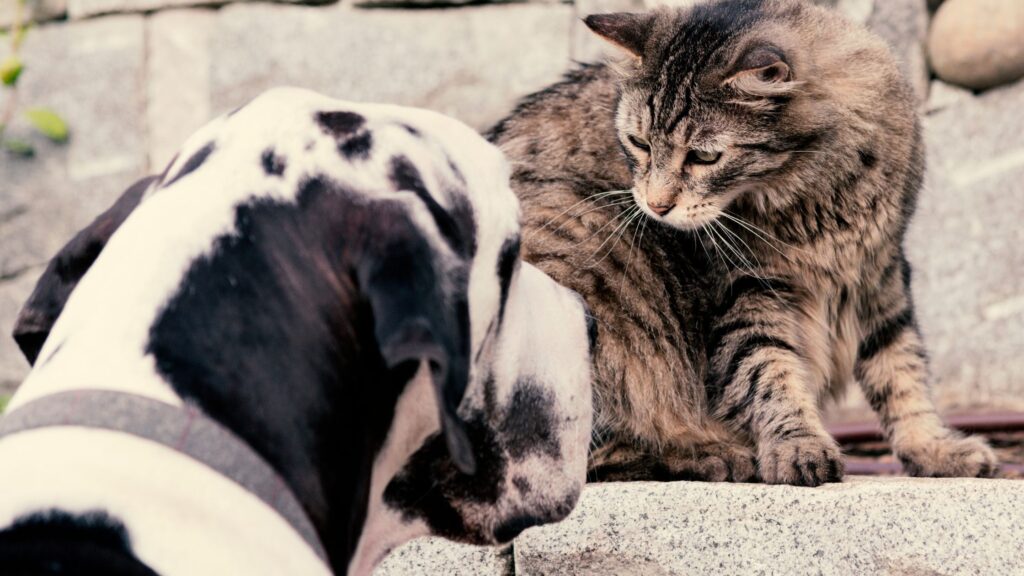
[864, 526]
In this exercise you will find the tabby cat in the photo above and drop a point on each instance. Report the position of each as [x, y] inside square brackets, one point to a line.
[731, 200]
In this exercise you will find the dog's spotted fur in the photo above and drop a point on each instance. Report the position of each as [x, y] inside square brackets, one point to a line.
[337, 284]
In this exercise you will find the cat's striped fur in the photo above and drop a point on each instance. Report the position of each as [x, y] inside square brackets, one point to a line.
[736, 293]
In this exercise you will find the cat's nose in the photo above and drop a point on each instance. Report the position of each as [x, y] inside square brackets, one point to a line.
[660, 209]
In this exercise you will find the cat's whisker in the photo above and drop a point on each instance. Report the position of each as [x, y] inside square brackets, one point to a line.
[627, 213]
[609, 205]
[714, 244]
[642, 228]
[763, 235]
[592, 198]
[617, 234]
[747, 266]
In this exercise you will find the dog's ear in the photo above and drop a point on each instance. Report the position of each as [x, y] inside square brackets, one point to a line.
[416, 318]
[65, 270]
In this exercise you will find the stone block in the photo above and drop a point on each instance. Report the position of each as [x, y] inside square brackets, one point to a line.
[92, 74]
[863, 526]
[965, 244]
[35, 11]
[471, 63]
[178, 72]
[439, 556]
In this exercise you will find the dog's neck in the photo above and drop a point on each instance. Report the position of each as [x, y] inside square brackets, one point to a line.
[259, 330]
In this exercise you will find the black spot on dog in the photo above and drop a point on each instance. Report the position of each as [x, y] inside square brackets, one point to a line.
[411, 130]
[430, 487]
[193, 163]
[357, 147]
[57, 542]
[456, 172]
[522, 484]
[405, 176]
[315, 281]
[340, 124]
[273, 164]
[507, 260]
[163, 175]
[529, 425]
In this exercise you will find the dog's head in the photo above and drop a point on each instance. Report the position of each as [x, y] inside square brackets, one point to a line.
[491, 417]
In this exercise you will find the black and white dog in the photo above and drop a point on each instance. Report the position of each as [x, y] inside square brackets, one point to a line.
[309, 340]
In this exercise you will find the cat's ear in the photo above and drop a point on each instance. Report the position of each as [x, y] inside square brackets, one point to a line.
[762, 71]
[625, 30]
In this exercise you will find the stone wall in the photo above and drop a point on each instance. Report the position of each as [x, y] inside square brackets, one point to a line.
[134, 77]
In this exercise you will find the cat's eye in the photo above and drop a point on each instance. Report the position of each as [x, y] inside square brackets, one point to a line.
[639, 143]
[703, 157]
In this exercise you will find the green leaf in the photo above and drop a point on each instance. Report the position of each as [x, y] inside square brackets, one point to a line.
[19, 147]
[3, 402]
[10, 69]
[48, 123]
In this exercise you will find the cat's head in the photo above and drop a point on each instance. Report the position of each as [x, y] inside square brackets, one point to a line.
[718, 102]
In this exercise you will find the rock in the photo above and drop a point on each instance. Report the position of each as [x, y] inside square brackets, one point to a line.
[903, 24]
[965, 244]
[35, 11]
[862, 526]
[942, 95]
[978, 43]
[178, 70]
[91, 73]
[79, 9]
[471, 63]
[438, 556]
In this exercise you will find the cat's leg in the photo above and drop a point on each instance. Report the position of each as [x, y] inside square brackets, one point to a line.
[758, 382]
[892, 370]
[718, 461]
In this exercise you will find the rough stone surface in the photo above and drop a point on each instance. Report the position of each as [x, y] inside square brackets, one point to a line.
[178, 72]
[79, 9]
[862, 526]
[903, 24]
[942, 95]
[978, 43]
[36, 11]
[965, 244]
[471, 63]
[441, 557]
[92, 74]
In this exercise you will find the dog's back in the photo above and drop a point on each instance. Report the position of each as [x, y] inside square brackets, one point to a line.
[324, 281]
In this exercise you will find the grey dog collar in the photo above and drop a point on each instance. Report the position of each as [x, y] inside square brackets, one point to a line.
[182, 429]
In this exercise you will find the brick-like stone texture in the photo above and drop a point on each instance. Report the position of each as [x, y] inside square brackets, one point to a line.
[35, 10]
[471, 63]
[178, 74]
[92, 74]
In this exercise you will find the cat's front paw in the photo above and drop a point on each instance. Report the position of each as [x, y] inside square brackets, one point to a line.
[948, 457]
[808, 461]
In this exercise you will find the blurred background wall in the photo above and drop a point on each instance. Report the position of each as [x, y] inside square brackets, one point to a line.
[133, 78]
